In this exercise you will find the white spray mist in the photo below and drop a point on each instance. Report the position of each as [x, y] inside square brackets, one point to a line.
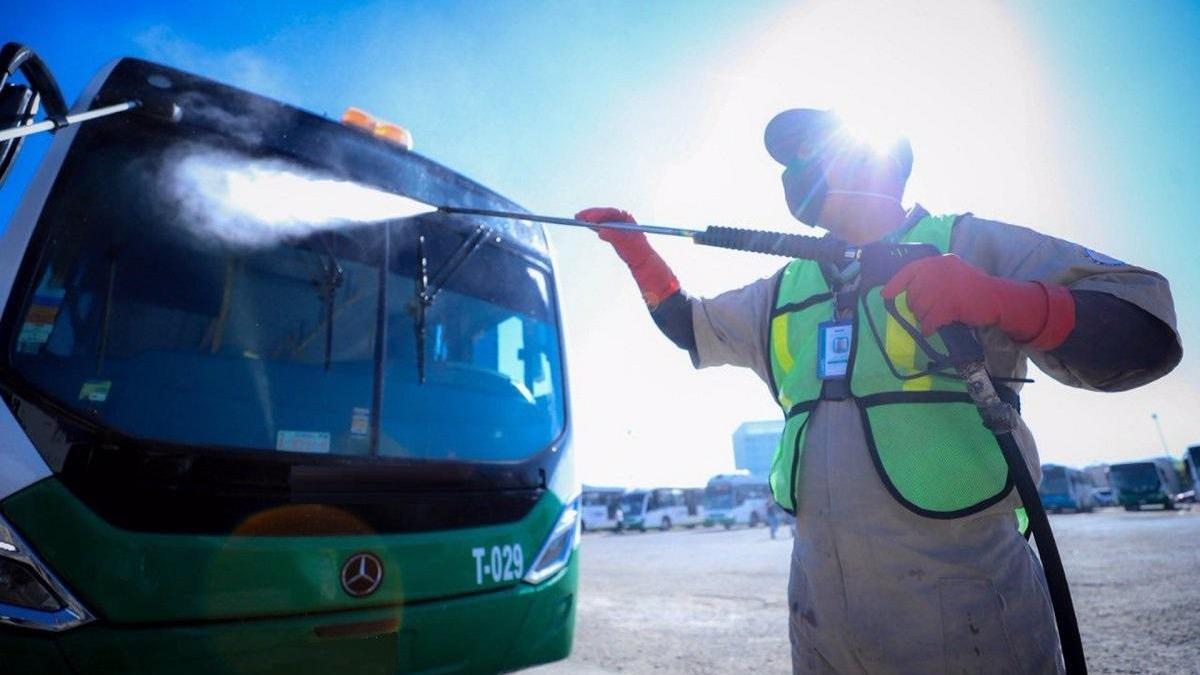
[244, 201]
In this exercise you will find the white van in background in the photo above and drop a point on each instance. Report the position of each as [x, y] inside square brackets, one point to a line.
[663, 508]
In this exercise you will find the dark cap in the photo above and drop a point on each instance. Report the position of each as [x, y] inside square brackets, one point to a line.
[790, 129]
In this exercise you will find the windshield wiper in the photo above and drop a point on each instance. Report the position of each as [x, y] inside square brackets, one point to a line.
[425, 291]
[421, 302]
[334, 275]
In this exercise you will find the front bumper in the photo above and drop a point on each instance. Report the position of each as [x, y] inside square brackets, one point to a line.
[1140, 498]
[488, 632]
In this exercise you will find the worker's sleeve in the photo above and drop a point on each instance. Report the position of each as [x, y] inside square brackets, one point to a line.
[1099, 346]
[1125, 332]
[673, 316]
[731, 329]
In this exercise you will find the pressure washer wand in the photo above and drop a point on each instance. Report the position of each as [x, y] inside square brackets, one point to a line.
[825, 249]
[50, 125]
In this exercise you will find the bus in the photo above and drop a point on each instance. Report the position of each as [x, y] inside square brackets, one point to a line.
[601, 508]
[1065, 488]
[234, 446]
[736, 499]
[662, 508]
[1154, 481]
[1191, 467]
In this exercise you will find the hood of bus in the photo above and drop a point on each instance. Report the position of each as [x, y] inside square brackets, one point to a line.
[142, 577]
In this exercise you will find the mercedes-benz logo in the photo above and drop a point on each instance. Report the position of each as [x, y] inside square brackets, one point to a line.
[362, 574]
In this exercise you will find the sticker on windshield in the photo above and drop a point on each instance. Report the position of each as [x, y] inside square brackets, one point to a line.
[39, 320]
[360, 421]
[302, 441]
[95, 391]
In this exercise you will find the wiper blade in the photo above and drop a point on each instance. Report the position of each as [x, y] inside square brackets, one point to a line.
[421, 302]
[334, 275]
[426, 291]
[456, 260]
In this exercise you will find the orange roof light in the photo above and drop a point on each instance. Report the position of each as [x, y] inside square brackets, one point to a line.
[357, 118]
[393, 133]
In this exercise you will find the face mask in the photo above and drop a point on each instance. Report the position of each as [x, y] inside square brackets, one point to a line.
[804, 189]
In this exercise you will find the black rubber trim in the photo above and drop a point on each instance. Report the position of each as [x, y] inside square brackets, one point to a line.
[887, 397]
[923, 397]
[804, 304]
[852, 359]
[796, 464]
[802, 407]
[767, 347]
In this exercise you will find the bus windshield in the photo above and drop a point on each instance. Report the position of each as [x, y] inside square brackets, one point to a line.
[719, 497]
[1054, 481]
[134, 322]
[1140, 475]
[631, 504]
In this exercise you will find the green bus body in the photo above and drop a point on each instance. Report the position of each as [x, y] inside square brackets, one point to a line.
[270, 605]
[190, 547]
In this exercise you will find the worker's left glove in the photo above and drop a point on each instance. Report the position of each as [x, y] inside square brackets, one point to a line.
[655, 280]
[945, 289]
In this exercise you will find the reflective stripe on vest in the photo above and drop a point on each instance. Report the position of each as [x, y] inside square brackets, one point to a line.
[926, 440]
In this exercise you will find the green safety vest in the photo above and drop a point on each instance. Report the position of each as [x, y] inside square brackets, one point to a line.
[926, 439]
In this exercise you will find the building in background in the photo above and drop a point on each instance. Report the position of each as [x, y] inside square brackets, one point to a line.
[754, 446]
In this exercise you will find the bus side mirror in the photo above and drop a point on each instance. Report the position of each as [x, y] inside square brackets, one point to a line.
[18, 105]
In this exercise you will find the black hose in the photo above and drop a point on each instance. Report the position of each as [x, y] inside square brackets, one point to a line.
[1000, 418]
[1056, 576]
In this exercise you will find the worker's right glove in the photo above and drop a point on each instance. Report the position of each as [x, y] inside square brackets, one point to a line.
[943, 289]
[654, 279]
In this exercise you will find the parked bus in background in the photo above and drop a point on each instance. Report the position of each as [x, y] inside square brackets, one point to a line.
[1153, 481]
[1191, 467]
[1065, 488]
[736, 499]
[251, 447]
[601, 508]
[663, 508]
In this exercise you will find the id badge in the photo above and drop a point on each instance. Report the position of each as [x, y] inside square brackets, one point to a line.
[834, 339]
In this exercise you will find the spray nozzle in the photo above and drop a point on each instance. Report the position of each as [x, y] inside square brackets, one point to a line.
[159, 107]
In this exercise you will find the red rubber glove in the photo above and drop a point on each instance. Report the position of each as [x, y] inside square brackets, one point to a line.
[946, 289]
[655, 280]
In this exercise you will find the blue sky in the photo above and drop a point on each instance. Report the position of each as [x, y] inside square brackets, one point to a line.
[1077, 119]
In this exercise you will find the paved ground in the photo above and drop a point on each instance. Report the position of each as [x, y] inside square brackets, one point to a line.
[711, 601]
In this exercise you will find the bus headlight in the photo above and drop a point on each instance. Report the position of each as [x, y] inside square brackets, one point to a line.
[30, 595]
[556, 551]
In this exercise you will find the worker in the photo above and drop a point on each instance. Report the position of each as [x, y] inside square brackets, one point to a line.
[907, 556]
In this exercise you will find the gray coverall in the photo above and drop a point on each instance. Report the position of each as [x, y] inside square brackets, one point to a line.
[877, 588]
